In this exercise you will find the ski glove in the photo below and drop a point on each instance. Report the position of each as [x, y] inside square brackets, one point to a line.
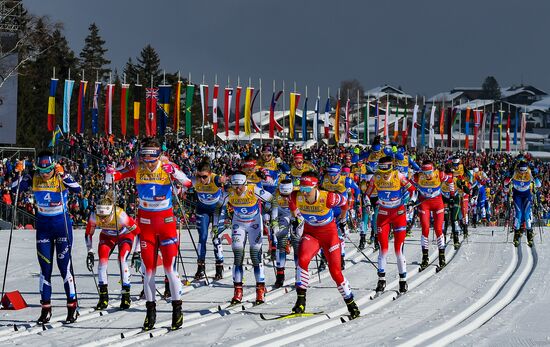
[168, 168]
[136, 261]
[215, 232]
[59, 170]
[299, 226]
[90, 259]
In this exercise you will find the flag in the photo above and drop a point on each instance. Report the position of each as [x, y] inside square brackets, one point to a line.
[431, 139]
[346, 136]
[316, 119]
[304, 122]
[491, 128]
[203, 89]
[151, 98]
[55, 136]
[294, 99]
[396, 124]
[164, 106]
[272, 121]
[442, 123]
[254, 125]
[484, 117]
[523, 129]
[109, 92]
[477, 121]
[500, 118]
[414, 126]
[466, 140]
[326, 120]
[422, 126]
[228, 95]
[177, 107]
[123, 108]
[95, 108]
[189, 93]
[215, 110]
[377, 118]
[386, 120]
[247, 110]
[81, 105]
[516, 128]
[508, 133]
[405, 129]
[366, 115]
[51, 105]
[237, 110]
[137, 104]
[67, 94]
[337, 122]
[451, 112]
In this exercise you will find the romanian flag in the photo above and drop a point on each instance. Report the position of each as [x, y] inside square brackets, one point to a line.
[95, 108]
[51, 104]
[337, 122]
[81, 105]
[123, 108]
[467, 130]
[189, 93]
[164, 103]
[215, 110]
[272, 122]
[177, 107]
[228, 95]
[151, 98]
[247, 110]
[237, 110]
[109, 109]
[67, 94]
[294, 99]
[138, 89]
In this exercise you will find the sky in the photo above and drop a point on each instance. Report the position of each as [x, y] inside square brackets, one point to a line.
[424, 46]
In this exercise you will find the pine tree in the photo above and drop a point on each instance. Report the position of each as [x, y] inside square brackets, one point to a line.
[149, 66]
[131, 72]
[92, 57]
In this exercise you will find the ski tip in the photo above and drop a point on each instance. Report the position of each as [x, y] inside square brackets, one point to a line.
[151, 335]
[122, 335]
[262, 316]
[243, 308]
[219, 307]
[342, 319]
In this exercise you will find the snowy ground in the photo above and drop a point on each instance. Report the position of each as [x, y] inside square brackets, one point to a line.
[489, 294]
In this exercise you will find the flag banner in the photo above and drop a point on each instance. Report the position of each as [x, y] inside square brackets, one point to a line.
[377, 119]
[304, 122]
[485, 116]
[80, 117]
[316, 119]
[347, 122]
[109, 109]
[326, 119]
[442, 123]
[228, 95]
[123, 108]
[237, 110]
[499, 120]
[177, 107]
[247, 110]
[67, 94]
[396, 123]
[151, 97]
[516, 128]
[508, 133]
[466, 140]
[523, 130]
[215, 110]
[414, 127]
[491, 129]
[189, 94]
[422, 126]
[55, 136]
[272, 122]
[254, 125]
[203, 89]
[95, 108]
[477, 123]
[386, 120]
[51, 104]
[451, 114]
[337, 122]
[294, 100]
[164, 106]
[431, 139]
[404, 130]
[366, 115]
[137, 90]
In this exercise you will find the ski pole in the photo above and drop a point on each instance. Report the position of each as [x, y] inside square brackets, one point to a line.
[363, 253]
[181, 259]
[117, 233]
[14, 215]
[317, 264]
[95, 280]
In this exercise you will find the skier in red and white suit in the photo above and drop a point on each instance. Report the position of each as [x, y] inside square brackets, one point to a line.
[387, 188]
[157, 222]
[313, 209]
[428, 183]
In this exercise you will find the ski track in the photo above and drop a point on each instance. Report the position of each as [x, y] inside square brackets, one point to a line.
[442, 305]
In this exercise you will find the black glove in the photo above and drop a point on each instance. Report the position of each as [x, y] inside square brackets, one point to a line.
[136, 261]
[90, 259]
[261, 174]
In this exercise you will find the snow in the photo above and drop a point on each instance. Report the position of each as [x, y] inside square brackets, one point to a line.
[485, 274]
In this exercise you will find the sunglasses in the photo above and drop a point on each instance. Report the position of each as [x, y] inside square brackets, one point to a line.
[298, 162]
[203, 176]
[305, 189]
[44, 169]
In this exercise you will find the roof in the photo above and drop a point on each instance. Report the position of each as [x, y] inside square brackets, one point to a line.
[384, 90]
[475, 104]
[445, 97]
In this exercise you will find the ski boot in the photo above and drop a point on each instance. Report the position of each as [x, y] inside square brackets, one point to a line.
[300, 305]
[200, 271]
[442, 261]
[362, 241]
[465, 231]
[403, 286]
[280, 278]
[125, 298]
[381, 285]
[46, 313]
[517, 236]
[103, 297]
[167, 294]
[72, 315]
[409, 229]
[352, 308]
[177, 315]
[151, 315]
[219, 271]
[425, 260]
[456, 242]
[530, 237]
[260, 293]
[238, 293]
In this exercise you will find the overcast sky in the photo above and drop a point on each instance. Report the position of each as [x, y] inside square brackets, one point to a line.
[425, 46]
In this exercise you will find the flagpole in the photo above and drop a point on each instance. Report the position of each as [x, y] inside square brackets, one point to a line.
[274, 132]
[304, 116]
[317, 114]
[284, 137]
[261, 126]
[188, 83]
[367, 120]
[452, 122]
